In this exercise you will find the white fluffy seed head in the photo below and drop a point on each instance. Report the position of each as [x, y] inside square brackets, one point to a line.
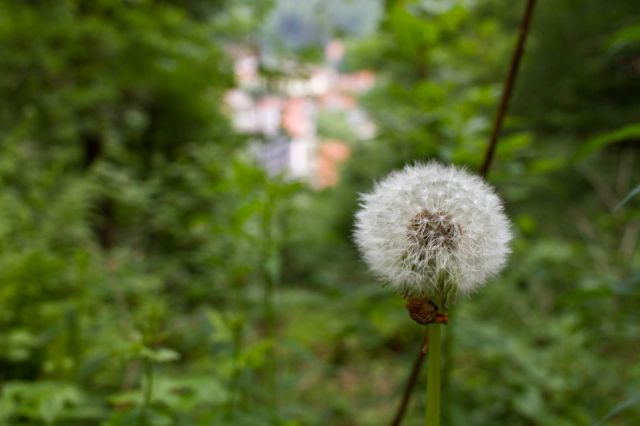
[433, 231]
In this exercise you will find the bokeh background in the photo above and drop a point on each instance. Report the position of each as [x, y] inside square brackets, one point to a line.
[178, 182]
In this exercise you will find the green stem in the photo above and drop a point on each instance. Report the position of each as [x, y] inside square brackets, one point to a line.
[448, 346]
[148, 389]
[271, 266]
[433, 378]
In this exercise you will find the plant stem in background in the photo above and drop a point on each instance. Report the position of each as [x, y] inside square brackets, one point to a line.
[148, 390]
[271, 266]
[433, 375]
[235, 389]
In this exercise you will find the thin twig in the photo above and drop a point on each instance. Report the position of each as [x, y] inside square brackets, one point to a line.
[508, 87]
[484, 171]
[413, 377]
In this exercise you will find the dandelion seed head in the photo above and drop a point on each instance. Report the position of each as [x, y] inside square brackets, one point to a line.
[430, 229]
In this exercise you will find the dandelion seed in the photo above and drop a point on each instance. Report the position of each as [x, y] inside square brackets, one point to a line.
[433, 231]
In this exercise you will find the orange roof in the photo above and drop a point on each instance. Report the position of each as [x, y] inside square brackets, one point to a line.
[331, 155]
[296, 117]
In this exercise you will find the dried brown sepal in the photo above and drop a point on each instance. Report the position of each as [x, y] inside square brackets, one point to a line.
[424, 311]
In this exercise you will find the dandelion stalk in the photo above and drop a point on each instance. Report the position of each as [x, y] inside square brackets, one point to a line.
[448, 344]
[433, 378]
[508, 86]
[434, 233]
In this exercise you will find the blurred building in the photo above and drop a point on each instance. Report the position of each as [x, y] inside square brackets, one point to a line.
[330, 155]
[281, 112]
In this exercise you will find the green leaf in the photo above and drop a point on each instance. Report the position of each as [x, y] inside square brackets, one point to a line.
[625, 36]
[166, 355]
[632, 131]
[160, 355]
[43, 400]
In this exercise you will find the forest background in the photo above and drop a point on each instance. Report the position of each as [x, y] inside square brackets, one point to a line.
[151, 272]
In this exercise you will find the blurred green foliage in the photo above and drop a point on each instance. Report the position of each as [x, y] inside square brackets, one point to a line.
[150, 273]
